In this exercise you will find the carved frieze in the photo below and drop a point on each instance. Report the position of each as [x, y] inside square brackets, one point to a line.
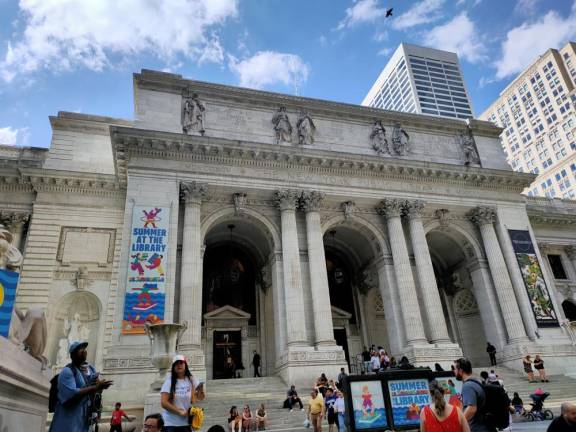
[193, 115]
[400, 140]
[282, 126]
[306, 128]
[378, 138]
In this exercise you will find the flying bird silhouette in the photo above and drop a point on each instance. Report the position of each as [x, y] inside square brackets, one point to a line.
[389, 12]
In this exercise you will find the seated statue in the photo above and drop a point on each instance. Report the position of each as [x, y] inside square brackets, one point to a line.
[29, 331]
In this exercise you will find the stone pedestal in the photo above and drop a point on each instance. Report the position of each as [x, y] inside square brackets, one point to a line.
[428, 354]
[302, 365]
[24, 389]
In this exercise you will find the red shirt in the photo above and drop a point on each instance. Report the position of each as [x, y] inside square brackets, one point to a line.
[117, 417]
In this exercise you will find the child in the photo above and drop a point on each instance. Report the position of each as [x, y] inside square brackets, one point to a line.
[116, 420]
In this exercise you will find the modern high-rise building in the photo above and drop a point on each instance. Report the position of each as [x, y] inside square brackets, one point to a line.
[421, 80]
[538, 116]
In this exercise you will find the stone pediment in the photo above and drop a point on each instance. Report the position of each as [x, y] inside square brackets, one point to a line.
[340, 314]
[227, 312]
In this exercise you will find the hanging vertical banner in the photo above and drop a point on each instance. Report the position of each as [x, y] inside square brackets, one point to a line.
[146, 282]
[8, 284]
[533, 279]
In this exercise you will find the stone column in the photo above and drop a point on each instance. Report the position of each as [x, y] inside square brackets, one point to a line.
[391, 209]
[15, 222]
[485, 217]
[191, 267]
[323, 328]
[293, 292]
[571, 254]
[438, 332]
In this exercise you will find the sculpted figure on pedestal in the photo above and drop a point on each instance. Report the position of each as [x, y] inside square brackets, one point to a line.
[282, 126]
[400, 140]
[10, 256]
[469, 147]
[306, 128]
[378, 138]
[193, 115]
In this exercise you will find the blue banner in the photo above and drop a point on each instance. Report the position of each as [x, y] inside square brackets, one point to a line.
[8, 284]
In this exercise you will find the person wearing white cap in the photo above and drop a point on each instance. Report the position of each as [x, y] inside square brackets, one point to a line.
[178, 393]
[76, 383]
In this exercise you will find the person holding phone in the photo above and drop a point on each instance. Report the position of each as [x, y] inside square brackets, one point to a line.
[178, 393]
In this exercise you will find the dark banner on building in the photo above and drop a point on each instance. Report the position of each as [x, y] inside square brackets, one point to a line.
[533, 279]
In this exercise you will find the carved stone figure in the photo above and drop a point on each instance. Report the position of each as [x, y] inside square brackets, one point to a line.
[306, 128]
[29, 330]
[378, 138]
[62, 357]
[469, 147]
[75, 330]
[400, 140]
[10, 256]
[82, 278]
[193, 115]
[282, 126]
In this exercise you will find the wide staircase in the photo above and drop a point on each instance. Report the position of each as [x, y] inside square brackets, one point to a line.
[271, 391]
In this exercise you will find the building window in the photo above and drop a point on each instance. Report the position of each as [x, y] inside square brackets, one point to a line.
[557, 267]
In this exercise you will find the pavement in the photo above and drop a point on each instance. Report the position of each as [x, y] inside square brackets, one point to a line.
[530, 426]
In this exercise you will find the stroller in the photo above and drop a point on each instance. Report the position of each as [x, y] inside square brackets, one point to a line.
[537, 412]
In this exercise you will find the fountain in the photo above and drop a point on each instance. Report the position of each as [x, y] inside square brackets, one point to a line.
[163, 340]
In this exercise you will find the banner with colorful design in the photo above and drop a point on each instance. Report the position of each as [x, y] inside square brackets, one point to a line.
[146, 282]
[8, 284]
[533, 279]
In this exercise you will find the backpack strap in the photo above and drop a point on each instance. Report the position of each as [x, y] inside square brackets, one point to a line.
[478, 383]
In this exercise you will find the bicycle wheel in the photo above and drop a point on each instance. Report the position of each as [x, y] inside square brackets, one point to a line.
[530, 417]
[548, 415]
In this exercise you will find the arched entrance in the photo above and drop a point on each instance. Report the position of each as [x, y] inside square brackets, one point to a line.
[454, 260]
[236, 296]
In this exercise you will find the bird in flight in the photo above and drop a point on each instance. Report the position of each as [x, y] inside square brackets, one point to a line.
[389, 12]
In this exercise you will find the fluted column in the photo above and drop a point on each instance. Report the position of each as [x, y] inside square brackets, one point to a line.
[485, 217]
[323, 329]
[391, 209]
[293, 293]
[438, 332]
[191, 267]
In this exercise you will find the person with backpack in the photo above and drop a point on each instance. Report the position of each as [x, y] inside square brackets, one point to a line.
[486, 406]
[72, 391]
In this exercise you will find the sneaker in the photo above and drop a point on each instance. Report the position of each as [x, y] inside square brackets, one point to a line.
[291, 410]
[301, 409]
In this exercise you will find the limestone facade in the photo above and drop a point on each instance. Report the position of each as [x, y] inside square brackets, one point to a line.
[420, 241]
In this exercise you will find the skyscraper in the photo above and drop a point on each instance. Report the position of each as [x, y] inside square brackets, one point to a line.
[421, 80]
[538, 116]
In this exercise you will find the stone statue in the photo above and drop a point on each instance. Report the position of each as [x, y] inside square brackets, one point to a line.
[75, 330]
[282, 126]
[62, 357]
[29, 331]
[469, 147]
[82, 278]
[10, 256]
[400, 140]
[378, 138]
[193, 115]
[306, 128]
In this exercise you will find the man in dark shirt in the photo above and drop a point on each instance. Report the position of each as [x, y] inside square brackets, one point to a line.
[567, 420]
[366, 360]
[256, 363]
[491, 350]
[473, 396]
[293, 398]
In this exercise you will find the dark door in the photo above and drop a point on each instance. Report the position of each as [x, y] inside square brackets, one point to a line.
[227, 354]
[342, 340]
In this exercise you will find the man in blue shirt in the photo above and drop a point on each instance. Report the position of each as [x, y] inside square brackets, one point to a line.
[76, 383]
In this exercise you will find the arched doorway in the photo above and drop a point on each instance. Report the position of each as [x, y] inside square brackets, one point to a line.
[236, 297]
[452, 258]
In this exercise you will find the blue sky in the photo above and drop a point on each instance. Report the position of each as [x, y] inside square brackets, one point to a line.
[79, 55]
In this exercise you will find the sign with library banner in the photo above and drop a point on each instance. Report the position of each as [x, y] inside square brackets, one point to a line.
[407, 398]
[368, 404]
[538, 293]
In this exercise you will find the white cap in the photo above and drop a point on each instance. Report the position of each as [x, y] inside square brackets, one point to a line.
[179, 357]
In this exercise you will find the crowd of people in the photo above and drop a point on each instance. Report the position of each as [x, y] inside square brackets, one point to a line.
[78, 389]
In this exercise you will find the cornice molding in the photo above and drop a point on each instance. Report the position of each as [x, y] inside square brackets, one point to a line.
[129, 142]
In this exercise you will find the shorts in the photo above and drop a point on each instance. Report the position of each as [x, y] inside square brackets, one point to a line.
[332, 417]
[116, 428]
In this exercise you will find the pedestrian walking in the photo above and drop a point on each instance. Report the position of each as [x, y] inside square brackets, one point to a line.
[179, 391]
[375, 362]
[366, 360]
[341, 378]
[440, 416]
[491, 350]
[539, 366]
[116, 419]
[473, 396]
[77, 382]
[256, 360]
[316, 410]
[331, 416]
[527, 363]
[340, 408]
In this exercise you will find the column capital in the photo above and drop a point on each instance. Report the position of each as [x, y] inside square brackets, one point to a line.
[12, 220]
[310, 200]
[544, 247]
[414, 208]
[391, 207]
[193, 192]
[286, 199]
[571, 252]
[483, 216]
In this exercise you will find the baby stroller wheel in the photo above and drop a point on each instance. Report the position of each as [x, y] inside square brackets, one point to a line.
[548, 415]
[530, 417]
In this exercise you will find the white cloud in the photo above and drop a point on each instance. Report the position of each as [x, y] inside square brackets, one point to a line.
[363, 11]
[526, 7]
[11, 136]
[381, 36]
[60, 35]
[460, 36]
[212, 52]
[423, 12]
[384, 52]
[524, 43]
[266, 68]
